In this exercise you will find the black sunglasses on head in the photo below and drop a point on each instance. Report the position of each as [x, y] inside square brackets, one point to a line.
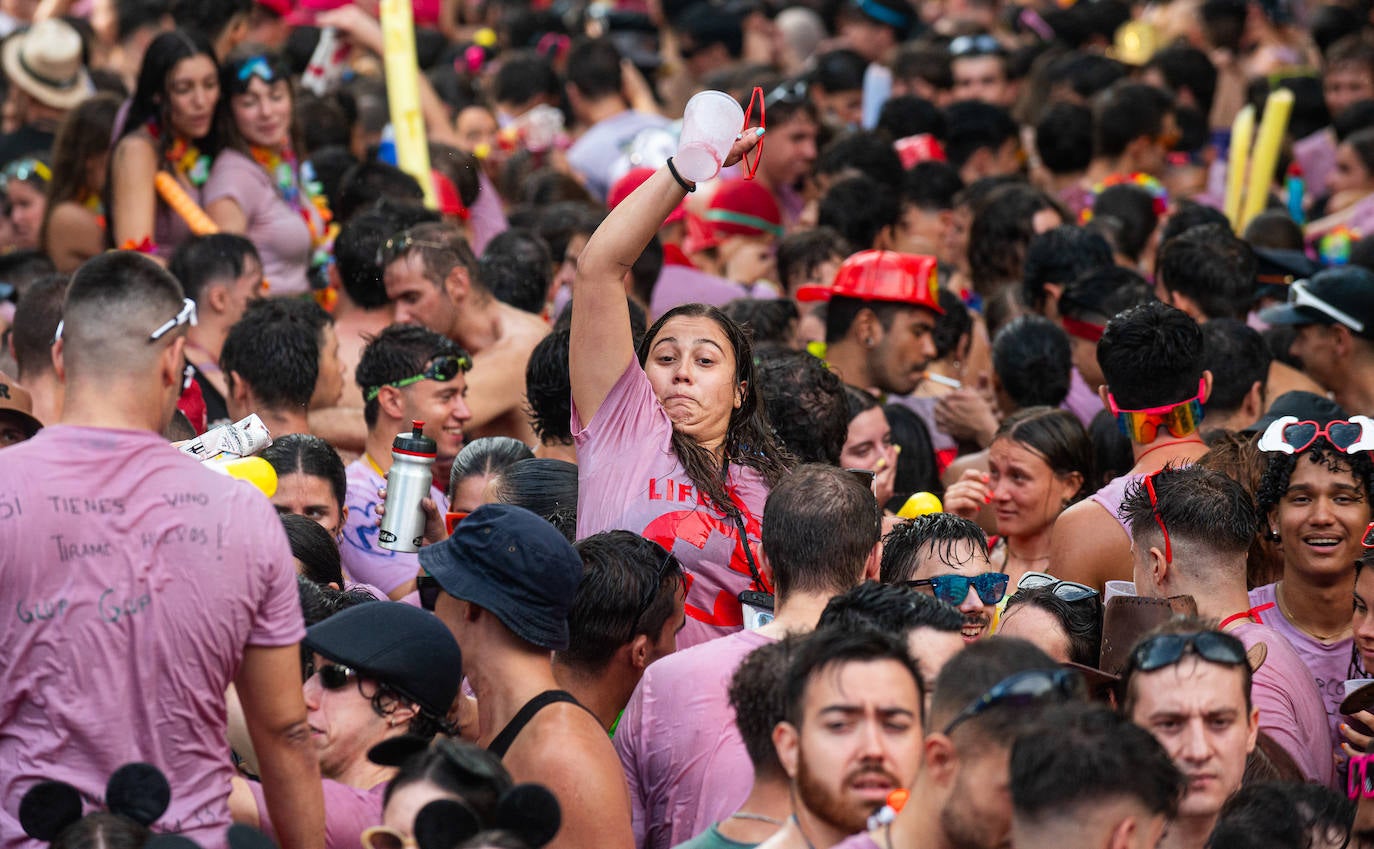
[1035, 686]
[1164, 650]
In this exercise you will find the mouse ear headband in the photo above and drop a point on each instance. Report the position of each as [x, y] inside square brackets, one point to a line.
[136, 791]
[530, 812]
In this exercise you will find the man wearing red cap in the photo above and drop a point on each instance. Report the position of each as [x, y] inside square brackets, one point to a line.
[878, 325]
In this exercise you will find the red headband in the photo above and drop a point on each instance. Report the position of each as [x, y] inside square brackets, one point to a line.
[1082, 329]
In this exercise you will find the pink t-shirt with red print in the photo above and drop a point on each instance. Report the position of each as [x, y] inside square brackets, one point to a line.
[630, 479]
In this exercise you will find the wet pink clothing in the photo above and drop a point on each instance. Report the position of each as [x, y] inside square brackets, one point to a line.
[132, 579]
[1330, 664]
[629, 478]
[684, 761]
[1291, 710]
[347, 811]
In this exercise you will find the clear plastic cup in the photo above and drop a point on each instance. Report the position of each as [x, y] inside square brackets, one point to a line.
[710, 124]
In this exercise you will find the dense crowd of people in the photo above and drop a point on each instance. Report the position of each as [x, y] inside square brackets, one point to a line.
[983, 457]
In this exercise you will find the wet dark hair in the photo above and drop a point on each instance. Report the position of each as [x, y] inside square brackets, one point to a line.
[619, 570]
[486, 456]
[869, 153]
[891, 608]
[801, 252]
[1197, 505]
[1131, 211]
[1101, 293]
[1081, 620]
[1002, 229]
[214, 258]
[819, 527]
[805, 401]
[1238, 358]
[1059, 438]
[1213, 267]
[355, 248]
[276, 348]
[1279, 468]
[544, 486]
[971, 673]
[548, 389]
[857, 402]
[1033, 361]
[758, 699]
[859, 208]
[917, 467]
[1283, 814]
[905, 544]
[1151, 355]
[1108, 756]
[317, 551]
[1060, 255]
[834, 646]
[766, 320]
[398, 352]
[1124, 113]
[749, 440]
[1064, 138]
[306, 454]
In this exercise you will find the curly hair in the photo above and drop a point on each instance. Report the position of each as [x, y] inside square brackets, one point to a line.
[1279, 469]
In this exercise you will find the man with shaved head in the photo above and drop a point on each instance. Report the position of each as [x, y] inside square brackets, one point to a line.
[138, 585]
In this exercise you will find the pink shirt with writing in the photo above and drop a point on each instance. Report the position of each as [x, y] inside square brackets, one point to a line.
[629, 478]
[131, 580]
[684, 761]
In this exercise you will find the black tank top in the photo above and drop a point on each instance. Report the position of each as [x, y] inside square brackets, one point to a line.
[502, 743]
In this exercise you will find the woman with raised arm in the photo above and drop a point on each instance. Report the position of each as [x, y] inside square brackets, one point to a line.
[672, 441]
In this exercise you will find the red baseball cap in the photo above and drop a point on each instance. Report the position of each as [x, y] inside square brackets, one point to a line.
[633, 179]
[738, 208]
[882, 276]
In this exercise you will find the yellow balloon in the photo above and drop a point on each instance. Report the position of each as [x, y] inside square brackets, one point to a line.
[919, 504]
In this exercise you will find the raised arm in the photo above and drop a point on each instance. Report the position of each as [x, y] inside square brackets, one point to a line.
[601, 343]
[132, 196]
[269, 689]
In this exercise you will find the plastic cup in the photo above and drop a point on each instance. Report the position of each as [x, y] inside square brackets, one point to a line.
[710, 124]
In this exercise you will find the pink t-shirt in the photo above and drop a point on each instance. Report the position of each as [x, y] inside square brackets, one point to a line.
[274, 226]
[364, 561]
[629, 478]
[1291, 710]
[1330, 664]
[684, 761]
[1083, 401]
[347, 811]
[133, 578]
[1111, 495]
[1316, 155]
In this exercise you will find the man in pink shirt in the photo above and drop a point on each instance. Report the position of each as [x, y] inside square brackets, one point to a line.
[143, 584]
[685, 763]
[1191, 536]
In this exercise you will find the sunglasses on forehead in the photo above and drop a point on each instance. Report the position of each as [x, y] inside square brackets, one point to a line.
[1287, 435]
[1035, 686]
[441, 369]
[397, 246]
[953, 589]
[1063, 590]
[1164, 650]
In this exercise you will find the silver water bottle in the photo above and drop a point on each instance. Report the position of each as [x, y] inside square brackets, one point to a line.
[412, 456]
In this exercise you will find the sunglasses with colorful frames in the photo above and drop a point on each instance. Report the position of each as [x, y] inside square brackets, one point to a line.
[953, 589]
[1035, 686]
[1063, 590]
[1180, 419]
[1287, 435]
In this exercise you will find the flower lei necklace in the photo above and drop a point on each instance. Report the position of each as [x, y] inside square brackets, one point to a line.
[185, 158]
[305, 195]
